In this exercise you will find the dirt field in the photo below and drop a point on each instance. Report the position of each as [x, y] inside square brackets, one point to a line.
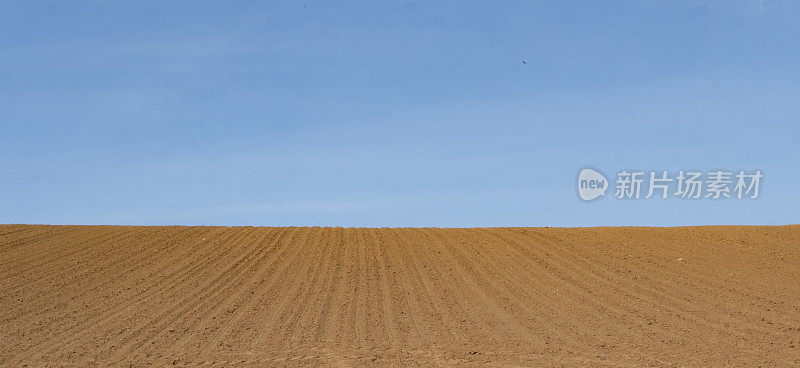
[244, 296]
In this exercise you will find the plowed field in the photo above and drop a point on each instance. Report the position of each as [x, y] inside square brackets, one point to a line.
[260, 296]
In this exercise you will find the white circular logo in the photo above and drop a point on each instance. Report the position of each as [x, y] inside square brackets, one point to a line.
[591, 184]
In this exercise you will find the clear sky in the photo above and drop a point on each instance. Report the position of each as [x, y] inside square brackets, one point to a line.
[392, 113]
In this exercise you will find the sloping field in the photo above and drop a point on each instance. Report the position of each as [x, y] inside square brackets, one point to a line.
[244, 296]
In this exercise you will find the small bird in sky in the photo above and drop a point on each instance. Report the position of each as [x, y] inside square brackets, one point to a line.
[523, 61]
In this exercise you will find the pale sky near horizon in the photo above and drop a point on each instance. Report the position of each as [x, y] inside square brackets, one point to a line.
[392, 113]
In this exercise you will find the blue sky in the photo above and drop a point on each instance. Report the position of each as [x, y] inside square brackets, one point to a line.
[391, 113]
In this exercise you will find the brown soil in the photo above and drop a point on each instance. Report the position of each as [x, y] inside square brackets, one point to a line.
[244, 296]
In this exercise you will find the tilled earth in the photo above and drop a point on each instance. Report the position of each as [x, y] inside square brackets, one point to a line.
[303, 296]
